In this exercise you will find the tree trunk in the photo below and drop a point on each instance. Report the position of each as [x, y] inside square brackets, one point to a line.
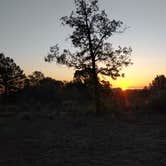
[5, 93]
[96, 88]
[6, 88]
[95, 79]
[97, 97]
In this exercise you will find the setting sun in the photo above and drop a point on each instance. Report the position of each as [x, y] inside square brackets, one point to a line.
[121, 83]
[124, 85]
[124, 89]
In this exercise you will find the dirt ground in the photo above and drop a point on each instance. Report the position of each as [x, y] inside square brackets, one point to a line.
[86, 141]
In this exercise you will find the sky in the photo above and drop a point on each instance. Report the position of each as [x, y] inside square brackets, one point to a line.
[29, 27]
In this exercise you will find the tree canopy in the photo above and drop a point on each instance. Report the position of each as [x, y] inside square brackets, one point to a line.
[90, 37]
[11, 75]
[92, 29]
[36, 77]
[159, 83]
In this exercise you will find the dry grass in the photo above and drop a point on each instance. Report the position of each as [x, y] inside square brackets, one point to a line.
[83, 141]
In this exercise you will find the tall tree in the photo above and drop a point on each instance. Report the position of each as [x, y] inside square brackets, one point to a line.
[91, 30]
[11, 74]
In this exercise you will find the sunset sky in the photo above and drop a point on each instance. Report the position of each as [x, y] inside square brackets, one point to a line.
[29, 27]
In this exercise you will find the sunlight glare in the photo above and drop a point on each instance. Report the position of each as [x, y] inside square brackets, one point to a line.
[124, 89]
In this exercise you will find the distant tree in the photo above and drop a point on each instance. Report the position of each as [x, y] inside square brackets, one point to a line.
[105, 85]
[11, 75]
[52, 84]
[83, 76]
[46, 89]
[158, 83]
[91, 31]
[35, 78]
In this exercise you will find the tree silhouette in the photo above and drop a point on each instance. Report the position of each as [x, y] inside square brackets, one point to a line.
[158, 83]
[93, 52]
[11, 75]
[83, 76]
[35, 78]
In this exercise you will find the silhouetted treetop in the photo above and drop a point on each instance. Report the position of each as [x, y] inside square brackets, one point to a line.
[92, 28]
[36, 77]
[83, 76]
[158, 83]
[11, 74]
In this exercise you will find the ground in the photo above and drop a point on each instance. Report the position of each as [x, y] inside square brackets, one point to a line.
[86, 141]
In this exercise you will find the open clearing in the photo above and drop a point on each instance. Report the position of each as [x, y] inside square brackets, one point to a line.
[87, 141]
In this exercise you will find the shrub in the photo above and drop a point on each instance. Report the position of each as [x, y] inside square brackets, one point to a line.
[157, 102]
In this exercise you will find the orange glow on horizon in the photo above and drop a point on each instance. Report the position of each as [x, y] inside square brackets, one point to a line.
[131, 81]
[122, 83]
[124, 89]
